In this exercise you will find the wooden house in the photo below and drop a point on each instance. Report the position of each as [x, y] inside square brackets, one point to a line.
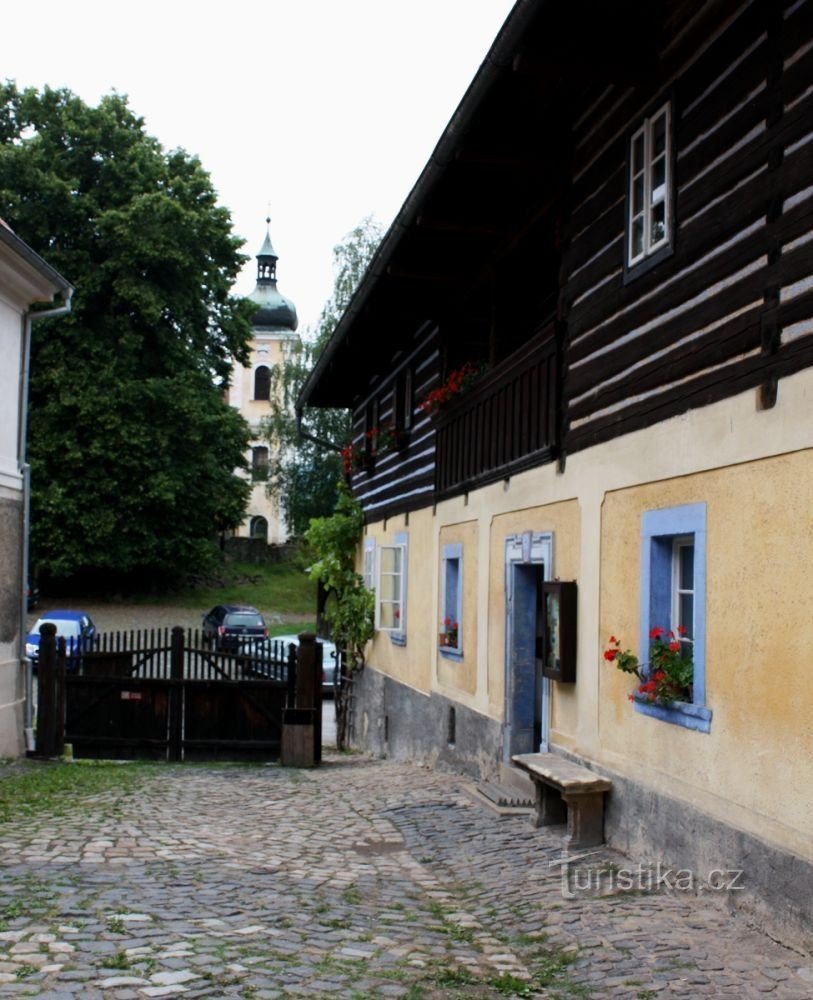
[584, 353]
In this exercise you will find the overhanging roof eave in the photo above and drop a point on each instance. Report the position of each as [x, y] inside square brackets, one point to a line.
[499, 56]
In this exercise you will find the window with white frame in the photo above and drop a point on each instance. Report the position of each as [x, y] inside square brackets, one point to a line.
[673, 598]
[390, 594]
[649, 213]
[451, 636]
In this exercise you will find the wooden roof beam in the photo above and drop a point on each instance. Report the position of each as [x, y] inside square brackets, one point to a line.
[438, 225]
[494, 161]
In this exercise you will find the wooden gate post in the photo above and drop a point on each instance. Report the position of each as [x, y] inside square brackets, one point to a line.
[176, 693]
[309, 684]
[50, 693]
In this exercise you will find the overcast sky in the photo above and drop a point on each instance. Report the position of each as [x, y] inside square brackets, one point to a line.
[319, 111]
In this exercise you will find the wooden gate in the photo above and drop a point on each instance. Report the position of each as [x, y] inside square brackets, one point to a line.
[166, 695]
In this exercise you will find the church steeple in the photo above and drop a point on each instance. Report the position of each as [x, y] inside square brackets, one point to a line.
[267, 257]
[275, 312]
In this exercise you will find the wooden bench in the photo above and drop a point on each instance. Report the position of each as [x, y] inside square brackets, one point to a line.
[566, 791]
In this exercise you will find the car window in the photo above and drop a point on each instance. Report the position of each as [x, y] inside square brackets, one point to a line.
[251, 621]
[63, 627]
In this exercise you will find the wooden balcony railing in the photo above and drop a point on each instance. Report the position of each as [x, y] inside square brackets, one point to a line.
[506, 423]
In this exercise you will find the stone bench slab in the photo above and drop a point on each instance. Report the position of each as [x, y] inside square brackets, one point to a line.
[581, 802]
[564, 774]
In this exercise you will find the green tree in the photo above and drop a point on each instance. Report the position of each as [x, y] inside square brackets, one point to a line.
[131, 443]
[351, 606]
[304, 474]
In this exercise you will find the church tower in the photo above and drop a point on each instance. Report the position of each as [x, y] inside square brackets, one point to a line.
[273, 339]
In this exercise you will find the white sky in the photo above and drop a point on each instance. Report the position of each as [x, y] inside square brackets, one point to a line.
[324, 110]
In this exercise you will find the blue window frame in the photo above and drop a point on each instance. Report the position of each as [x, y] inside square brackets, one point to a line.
[452, 598]
[673, 593]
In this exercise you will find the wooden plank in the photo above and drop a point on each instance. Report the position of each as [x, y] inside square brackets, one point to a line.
[797, 77]
[795, 310]
[744, 79]
[715, 386]
[586, 377]
[612, 259]
[797, 29]
[690, 285]
[606, 231]
[723, 52]
[740, 334]
[725, 137]
[586, 214]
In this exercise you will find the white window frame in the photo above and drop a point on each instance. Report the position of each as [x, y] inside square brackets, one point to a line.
[678, 544]
[396, 633]
[645, 174]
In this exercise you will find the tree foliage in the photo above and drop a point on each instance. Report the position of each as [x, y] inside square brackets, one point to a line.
[304, 474]
[350, 611]
[131, 443]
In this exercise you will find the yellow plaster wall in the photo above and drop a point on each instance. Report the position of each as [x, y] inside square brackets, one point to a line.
[756, 764]
[564, 520]
[455, 676]
[410, 664]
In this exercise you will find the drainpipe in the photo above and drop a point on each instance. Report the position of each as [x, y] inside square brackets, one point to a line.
[25, 471]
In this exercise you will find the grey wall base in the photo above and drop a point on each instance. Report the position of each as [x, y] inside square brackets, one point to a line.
[396, 721]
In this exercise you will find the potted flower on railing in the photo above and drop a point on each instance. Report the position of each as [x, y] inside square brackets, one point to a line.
[352, 458]
[448, 637]
[385, 438]
[458, 383]
[377, 441]
[668, 675]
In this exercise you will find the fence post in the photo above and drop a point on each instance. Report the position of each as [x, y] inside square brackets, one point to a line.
[290, 700]
[46, 691]
[176, 694]
[60, 685]
[309, 684]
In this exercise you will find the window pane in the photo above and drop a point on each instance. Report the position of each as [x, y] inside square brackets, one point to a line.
[638, 195]
[638, 153]
[637, 240]
[659, 135]
[389, 587]
[390, 560]
[687, 567]
[658, 231]
[389, 616]
[686, 614]
[659, 180]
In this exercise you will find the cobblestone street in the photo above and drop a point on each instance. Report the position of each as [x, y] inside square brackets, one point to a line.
[360, 879]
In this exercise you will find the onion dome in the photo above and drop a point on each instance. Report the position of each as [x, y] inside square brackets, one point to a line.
[274, 311]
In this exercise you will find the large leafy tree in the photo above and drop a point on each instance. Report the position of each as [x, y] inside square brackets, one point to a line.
[131, 443]
[305, 473]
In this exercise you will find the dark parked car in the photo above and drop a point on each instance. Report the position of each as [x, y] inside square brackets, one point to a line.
[227, 624]
[76, 627]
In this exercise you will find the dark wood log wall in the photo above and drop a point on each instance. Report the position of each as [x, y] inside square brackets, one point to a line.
[732, 307]
[403, 479]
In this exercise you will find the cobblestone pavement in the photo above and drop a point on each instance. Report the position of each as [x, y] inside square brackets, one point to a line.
[361, 879]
